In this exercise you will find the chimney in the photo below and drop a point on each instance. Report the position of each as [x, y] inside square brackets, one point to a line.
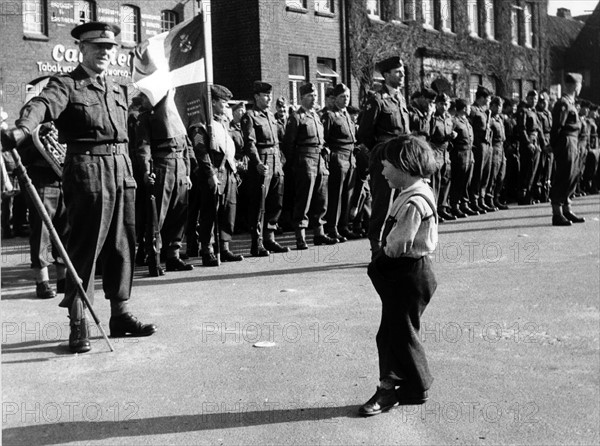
[565, 13]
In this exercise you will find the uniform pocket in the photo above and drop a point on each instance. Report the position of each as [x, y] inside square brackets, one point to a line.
[84, 177]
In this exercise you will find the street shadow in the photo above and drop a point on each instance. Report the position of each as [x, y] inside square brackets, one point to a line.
[442, 230]
[236, 417]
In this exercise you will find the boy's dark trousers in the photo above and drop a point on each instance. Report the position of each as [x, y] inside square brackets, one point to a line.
[405, 286]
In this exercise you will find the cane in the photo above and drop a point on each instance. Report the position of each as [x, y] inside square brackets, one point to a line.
[41, 209]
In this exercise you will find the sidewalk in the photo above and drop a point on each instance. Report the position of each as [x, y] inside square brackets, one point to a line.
[512, 335]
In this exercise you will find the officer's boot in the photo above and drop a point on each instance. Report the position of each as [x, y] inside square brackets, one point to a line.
[483, 205]
[301, 239]
[78, 338]
[558, 219]
[208, 255]
[322, 239]
[227, 255]
[257, 249]
[475, 206]
[271, 245]
[569, 215]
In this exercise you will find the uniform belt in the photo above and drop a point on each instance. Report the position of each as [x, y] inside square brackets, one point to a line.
[119, 148]
[342, 149]
[309, 150]
[169, 154]
[266, 150]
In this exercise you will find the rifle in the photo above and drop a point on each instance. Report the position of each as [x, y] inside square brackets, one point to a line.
[153, 239]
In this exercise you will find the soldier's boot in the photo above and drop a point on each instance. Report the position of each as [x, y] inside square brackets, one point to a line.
[227, 255]
[569, 215]
[257, 249]
[78, 338]
[321, 239]
[301, 239]
[558, 219]
[154, 268]
[483, 205]
[271, 244]
[476, 208]
[208, 255]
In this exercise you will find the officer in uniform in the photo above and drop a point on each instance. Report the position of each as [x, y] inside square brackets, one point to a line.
[461, 160]
[265, 172]
[218, 181]
[421, 111]
[564, 134]
[530, 133]
[482, 149]
[498, 158]
[90, 112]
[544, 171]
[340, 137]
[162, 149]
[304, 148]
[440, 134]
[238, 110]
[385, 117]
[511, 151]
[591, 163]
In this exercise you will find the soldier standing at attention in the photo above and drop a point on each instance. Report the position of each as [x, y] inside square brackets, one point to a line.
[385, 117]
[265, 172]
[544, 171]
[303, 146]
[498, 158]
[529, 131]
[564, 140]
[90, 112]
[421, 111]
[461, 159]
[340, 137]
[162, 149]
[482, 149]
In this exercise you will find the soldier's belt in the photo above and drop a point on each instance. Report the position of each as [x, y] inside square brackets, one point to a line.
[120, 148]
[309, 150]
[266, 150]
[342, 149]
[169, 154]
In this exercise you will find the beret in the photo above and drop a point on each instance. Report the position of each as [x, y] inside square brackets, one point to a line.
[532, 93]
[339, 89]
[389, 64]
[261, 87]
[573, 78]
[442, 97]
[220, 92]
[307, 88]
[281, 101]
[428, 93]
[482, 91]
[96, 32]
[237, 105]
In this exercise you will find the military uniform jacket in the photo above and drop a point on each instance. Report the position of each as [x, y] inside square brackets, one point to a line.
[235, 131]
[384, 117]
[464, 134]
[260, 132]
[440, 133]
[339, 130]
[529, 129]
[565, 121]
[593, 134]
[498, 134]
[281, 124]
[420, 122]
[304, 133]
[545, 118]
[510, 144]
[82, 110]
[480, 120]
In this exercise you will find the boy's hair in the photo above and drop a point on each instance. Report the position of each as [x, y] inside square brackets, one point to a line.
[411, 154]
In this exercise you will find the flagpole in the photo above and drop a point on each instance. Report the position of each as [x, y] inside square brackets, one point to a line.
[208, 71]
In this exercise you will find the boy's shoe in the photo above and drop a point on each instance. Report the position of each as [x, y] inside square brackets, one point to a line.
[382, 401]
[44, 291]
[408, 397]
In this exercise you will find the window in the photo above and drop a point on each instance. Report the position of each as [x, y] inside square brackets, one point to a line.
[34, 17]
[473, 13]
[295, 4]
[84, 11]
[474, 82]
[428, 13]
[490, 22]
[168, 20]
[404, 10]
[324, 6]
[297, 76]
[374, 9]
[514, 24]
[446, 15]
[528, 24]
[326, 77]
[130, 24]
[516, 89]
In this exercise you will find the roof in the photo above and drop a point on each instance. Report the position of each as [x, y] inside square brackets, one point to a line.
[562, 32]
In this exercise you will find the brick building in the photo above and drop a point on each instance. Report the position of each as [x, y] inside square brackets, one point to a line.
[36, 39]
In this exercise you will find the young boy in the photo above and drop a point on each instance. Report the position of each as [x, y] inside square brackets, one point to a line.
[402, 275]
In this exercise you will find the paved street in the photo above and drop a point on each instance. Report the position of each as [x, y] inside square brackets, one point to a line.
[512, 335]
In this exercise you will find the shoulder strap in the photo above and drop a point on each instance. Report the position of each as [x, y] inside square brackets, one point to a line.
[429, 202]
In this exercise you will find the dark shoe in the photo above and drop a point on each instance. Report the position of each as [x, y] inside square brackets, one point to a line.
[155, 270]
[60, 286]
[485, 207]
[491, 206]
[478, 209]
[176, 264]
[338, 237]
[228, 256]
[258, 250]
[458, 213]
[468, 211]
[560, 220]
[126, 324]
[446, 215]
[406, 397]
[501, 206]
[324, 240]
[78, 338]
[275, 247]
[573, 218]
[43, 290]
[209, 259]
[349, 235]
[301, 244]
[382, 401]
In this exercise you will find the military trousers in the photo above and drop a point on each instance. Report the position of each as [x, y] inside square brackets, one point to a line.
[340, 190]
[311, 177]
[218, 208]
[462, 169]
[482, 169]
[566, 170]
[441, 178]
[529, 156]
[381, 195]
[99, 193]
[497, 173]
